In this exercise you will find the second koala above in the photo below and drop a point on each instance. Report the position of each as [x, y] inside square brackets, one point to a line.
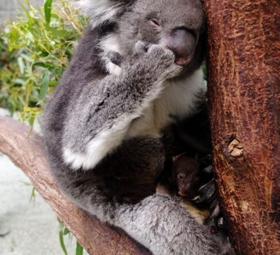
[110, 125]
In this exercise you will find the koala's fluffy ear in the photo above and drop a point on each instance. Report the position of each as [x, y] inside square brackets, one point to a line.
[101, 11]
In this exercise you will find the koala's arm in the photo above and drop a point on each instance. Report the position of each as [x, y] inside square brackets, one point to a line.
[103, 109]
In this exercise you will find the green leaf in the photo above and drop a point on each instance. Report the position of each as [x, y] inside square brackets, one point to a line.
[53, 83]
[41, 64]
[79, 249]
[65, 231]
[29, 89]
[14, 41]
[19, 81]
[62, 244]
[33, 195]
[55, 16]
[26, 13]
[41, 44]
[21, 65]
[59, 33]
[45, 85]
[48, 10]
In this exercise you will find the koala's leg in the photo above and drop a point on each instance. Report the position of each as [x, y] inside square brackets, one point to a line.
[160, 222]
[164, 226]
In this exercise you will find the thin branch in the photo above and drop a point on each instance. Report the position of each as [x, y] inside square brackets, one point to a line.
[26, 151]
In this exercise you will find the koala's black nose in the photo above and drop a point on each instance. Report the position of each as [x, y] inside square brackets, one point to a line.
[182, 43]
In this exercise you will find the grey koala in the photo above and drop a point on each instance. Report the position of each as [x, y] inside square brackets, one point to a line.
[109, 126]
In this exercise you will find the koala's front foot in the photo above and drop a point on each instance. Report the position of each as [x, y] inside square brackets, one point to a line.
[207, 194]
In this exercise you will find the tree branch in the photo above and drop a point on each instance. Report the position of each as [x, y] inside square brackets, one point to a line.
[25, 149]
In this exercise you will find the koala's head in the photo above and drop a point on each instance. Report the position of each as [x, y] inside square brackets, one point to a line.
[178, 25]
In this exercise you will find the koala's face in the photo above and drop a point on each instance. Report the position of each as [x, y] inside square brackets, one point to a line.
[174, 24]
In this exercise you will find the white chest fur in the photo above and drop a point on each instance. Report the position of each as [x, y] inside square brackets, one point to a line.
[177, 101]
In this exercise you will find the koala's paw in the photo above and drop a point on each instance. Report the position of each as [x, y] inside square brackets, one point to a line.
[155, 61]
[207, 190]
[206, 194]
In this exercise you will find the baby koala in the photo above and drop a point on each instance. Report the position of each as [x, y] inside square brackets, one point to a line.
[186, 175]
[193, 181]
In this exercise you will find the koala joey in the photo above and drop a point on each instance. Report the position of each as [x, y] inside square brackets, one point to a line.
[109, 127]
[192, 180]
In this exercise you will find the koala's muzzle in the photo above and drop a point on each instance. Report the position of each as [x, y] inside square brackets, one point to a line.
[182, 43]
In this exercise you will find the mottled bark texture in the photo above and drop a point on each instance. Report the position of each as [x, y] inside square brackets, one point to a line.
[244, 95]
[25, 149]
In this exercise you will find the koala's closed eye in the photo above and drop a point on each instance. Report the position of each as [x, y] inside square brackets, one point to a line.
[155, 23]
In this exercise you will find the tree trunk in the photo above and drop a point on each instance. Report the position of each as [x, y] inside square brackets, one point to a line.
[244, 95]
[25, 149]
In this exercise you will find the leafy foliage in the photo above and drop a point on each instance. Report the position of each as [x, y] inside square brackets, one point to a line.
[34, 52]
[64, 232]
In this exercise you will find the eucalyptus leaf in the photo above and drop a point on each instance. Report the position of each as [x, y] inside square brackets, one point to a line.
[34, 51]
[79, 249]
[58, 32]
[61, 241]
[48, 9]
[66, 231]
[26, 13]
[45, 85]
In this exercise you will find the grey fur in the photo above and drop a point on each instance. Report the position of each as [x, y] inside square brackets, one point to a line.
[105, 123]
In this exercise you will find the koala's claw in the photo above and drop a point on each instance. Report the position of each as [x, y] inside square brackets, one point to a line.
[140, 48]
[215, 209]
[206, 194]
[208, 169]
[220, 223]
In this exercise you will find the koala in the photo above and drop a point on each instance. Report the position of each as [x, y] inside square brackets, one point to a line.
[110, 127]
[192, 180]
[185, 175]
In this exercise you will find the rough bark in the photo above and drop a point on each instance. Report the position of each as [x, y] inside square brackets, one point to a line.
[25, 149]
[244, 92]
